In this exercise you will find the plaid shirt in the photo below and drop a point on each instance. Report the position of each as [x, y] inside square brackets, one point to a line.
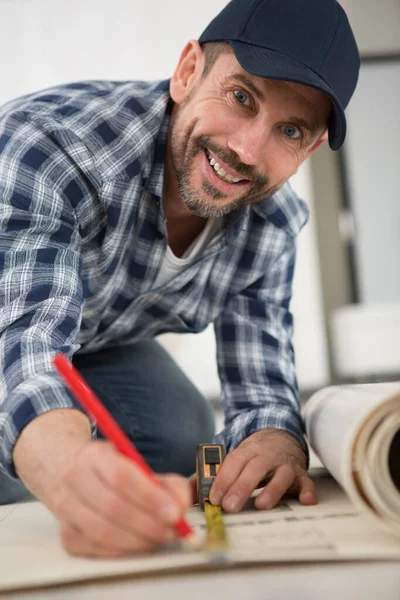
[82, 237]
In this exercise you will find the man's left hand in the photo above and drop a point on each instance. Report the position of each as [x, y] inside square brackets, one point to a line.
[270, 455]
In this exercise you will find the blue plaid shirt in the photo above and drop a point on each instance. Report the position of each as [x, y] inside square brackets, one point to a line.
[83, 235]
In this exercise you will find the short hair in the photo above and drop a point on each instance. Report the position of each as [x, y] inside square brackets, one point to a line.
[212, 50]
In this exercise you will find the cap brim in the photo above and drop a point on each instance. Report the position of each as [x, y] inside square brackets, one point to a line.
[272, 64]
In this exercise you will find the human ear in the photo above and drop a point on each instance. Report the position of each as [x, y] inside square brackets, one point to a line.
[187, 72]
[319, 142]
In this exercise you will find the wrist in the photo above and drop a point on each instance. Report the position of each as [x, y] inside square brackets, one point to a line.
[299, 448]
[46, 445]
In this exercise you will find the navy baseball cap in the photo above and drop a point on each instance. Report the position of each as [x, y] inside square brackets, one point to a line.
[304, 41]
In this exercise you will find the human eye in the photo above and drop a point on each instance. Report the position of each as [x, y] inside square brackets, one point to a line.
[292, 132]
[242, 97]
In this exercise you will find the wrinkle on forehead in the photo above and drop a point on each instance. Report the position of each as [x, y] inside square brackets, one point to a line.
[306, 94]
[312, 97]
[317, 103]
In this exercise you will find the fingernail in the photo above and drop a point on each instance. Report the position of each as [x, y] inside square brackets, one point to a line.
[309, 496]
[232, 503]
[216, 498]
[169, 513]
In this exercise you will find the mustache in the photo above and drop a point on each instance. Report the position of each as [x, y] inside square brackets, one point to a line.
[230, 158]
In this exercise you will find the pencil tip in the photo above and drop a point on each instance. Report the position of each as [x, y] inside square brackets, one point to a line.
[192, 542]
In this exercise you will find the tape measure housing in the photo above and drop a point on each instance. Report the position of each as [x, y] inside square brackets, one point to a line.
[209, 458]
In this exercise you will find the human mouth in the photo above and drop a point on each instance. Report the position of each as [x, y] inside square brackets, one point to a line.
[224, 173]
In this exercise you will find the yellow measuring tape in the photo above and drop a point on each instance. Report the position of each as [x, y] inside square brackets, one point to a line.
[217, 542]
[209, 458]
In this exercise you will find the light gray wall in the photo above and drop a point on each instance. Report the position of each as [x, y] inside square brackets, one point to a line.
[370, 160]
[372, 154]
[333, 258]
[376, 24]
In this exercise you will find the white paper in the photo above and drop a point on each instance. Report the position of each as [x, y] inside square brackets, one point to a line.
[32, 555]
[351, 428]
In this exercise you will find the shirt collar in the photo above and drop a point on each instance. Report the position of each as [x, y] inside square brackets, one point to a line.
[155, 180]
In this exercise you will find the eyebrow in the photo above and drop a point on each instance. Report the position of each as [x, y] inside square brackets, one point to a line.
[312, 127]
[248, 83]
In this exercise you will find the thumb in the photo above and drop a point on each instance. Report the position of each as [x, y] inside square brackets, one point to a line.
[179, 488]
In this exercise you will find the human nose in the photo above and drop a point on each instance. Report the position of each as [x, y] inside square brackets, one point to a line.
[249, 141]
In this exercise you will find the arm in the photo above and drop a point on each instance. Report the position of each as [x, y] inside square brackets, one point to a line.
[263, 427]
[104, 505]
[59, 433]
[41, 292]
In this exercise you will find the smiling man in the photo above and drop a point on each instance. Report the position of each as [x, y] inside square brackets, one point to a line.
[129, 209]
[236, 138]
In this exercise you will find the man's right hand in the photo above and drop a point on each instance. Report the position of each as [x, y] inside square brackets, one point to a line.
[105, 505]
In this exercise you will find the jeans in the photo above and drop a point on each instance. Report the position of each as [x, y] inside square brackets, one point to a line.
[151, 399]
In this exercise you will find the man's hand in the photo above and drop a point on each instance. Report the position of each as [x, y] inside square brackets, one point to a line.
[107, 507]
[270, 455]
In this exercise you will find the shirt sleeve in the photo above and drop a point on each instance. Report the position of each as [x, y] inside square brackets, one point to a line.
[40, 287]
[255, 357]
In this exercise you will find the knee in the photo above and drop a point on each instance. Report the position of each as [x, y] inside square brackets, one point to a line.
[179, 440]
[11, 490]
[183, 452]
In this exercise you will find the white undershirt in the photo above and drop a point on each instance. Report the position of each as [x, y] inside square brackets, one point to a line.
[172, 265]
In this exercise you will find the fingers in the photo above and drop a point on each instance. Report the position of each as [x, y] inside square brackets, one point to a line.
[102, 529]
[240, 475]
[99, 511]
[280, 483]
[307, 490]
[243, 487]
[107, 507]
[286, 480]
[179, 489]
[227, 475]
[121, 474]
[77, 544]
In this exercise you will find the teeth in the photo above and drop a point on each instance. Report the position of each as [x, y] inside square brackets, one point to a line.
[221, 172]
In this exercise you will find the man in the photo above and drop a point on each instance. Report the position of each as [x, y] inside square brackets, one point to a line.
[132, 209]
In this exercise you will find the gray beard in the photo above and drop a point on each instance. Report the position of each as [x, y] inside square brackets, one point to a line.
[212, 210]
[200, 207]
[203, 207]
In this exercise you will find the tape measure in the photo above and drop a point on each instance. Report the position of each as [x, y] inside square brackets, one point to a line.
[209, 458]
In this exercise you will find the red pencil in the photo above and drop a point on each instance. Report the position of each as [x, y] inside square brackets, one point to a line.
[111, 430]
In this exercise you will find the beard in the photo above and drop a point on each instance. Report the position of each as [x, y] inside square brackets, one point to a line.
[207, 202]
